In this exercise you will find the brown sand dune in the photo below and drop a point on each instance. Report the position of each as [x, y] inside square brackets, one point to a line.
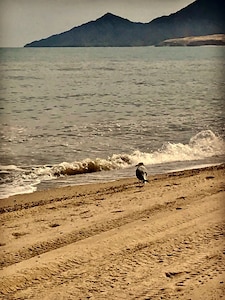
[213, 39]
[117, 240]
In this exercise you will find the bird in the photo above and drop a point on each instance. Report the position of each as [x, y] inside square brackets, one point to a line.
[141, 172]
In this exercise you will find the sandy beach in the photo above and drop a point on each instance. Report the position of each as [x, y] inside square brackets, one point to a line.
[117, 240]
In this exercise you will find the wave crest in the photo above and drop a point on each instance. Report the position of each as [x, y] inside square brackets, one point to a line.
[203, 145]
[117, 161]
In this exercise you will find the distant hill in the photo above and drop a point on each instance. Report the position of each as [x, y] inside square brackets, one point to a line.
[212, 39]
[202, 17]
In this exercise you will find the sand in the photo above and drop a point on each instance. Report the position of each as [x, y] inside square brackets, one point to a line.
[117, 240]
[213, 39]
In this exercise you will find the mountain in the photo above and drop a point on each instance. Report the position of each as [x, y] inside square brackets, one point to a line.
[109, 30]
[202, 17]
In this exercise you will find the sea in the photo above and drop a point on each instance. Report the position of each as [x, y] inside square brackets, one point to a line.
[73, 116]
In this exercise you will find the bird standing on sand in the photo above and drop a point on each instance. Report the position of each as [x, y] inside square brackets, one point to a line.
[141, 172]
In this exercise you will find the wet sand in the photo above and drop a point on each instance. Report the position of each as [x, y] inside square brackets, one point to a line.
[117, 240]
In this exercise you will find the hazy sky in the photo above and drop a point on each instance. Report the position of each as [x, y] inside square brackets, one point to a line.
[23, 21]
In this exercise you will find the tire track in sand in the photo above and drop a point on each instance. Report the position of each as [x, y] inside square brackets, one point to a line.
[38, 248]
[121, 262]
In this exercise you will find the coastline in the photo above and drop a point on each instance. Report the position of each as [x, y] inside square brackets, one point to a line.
[117, 239]
[205, 40]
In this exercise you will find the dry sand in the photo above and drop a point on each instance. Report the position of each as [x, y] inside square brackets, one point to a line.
[117, 240]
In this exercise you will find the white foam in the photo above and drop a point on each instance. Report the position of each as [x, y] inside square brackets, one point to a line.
[6, 191]
[204, 145]
[200, 166]
[10, 168]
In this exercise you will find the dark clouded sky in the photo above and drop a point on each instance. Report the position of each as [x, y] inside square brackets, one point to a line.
[23, 21]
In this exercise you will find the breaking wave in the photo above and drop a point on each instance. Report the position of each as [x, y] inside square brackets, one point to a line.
[15, 180]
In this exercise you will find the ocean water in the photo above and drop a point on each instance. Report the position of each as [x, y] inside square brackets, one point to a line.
[81, 115]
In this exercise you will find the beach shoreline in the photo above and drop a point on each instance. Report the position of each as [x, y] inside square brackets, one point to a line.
[120, 240]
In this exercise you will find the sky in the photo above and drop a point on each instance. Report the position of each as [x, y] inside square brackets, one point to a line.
[23, 21]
